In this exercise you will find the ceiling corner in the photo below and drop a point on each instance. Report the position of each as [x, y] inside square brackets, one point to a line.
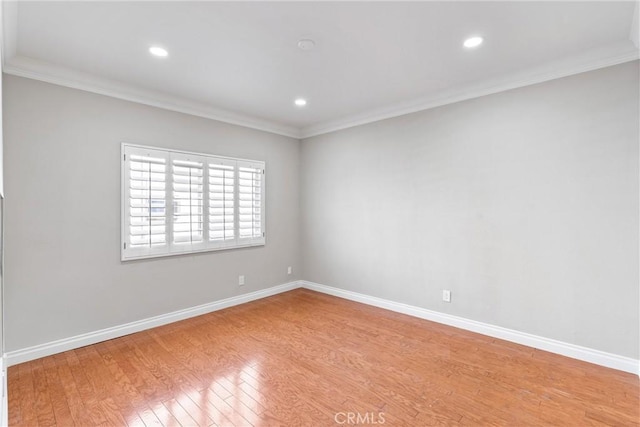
[43, 71]
[614, 54]
[38, 70]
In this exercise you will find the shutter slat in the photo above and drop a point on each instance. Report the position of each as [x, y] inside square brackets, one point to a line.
[221, 202]
[146, 201]
[188, 204]
[249, 202]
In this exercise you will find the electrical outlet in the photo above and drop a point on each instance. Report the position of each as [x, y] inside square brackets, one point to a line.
[446, 295]
[240, 280]
[289, 271]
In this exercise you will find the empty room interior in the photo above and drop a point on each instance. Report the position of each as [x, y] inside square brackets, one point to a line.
[320, 213]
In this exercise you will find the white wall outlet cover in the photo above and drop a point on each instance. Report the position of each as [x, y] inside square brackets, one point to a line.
[240, 280]
[446, 295]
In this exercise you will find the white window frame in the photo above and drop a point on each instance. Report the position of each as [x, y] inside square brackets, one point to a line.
[130, 252]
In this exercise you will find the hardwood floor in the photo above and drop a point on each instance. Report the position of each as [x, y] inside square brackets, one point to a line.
[306, 359]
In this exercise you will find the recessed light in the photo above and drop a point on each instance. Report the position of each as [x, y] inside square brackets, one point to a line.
[158, 51]
[306, 44]
[472, 42]
[300, 102]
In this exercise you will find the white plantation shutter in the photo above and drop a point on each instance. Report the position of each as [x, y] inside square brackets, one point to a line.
[175, 202]
[145, 202]
[187, 183]
[222, 203]
[250, 202]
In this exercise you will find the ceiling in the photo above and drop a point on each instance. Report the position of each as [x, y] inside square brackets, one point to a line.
[239, 61]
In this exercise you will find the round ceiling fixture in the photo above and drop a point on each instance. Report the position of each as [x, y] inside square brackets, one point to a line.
[158, 51]
[300, 102]
[472, 42]
[306, 44]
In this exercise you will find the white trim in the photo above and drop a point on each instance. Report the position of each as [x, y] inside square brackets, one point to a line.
[58, 346]
[8, 22]
[634, 30]
[598, 58]
[193, 153]
[4, 405]
[598, 357]
[40, 70]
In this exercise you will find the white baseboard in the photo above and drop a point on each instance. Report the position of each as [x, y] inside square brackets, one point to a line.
[58, 346]
[598, 357]
[4, 405]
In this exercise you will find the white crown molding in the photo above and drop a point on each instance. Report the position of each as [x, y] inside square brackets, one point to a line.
[593, 60]
[573, 351]
[39, 70]
[30, 353]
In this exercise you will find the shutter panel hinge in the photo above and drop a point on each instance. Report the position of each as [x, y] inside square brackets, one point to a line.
[125, 157]
[263, 234]
[125, 245]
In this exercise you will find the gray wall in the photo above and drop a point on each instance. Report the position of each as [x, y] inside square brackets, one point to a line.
[62, 166]
[524, 204]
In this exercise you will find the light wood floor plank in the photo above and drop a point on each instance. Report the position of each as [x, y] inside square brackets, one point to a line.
[302, 358]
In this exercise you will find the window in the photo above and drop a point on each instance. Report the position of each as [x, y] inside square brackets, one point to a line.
[175, 202]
